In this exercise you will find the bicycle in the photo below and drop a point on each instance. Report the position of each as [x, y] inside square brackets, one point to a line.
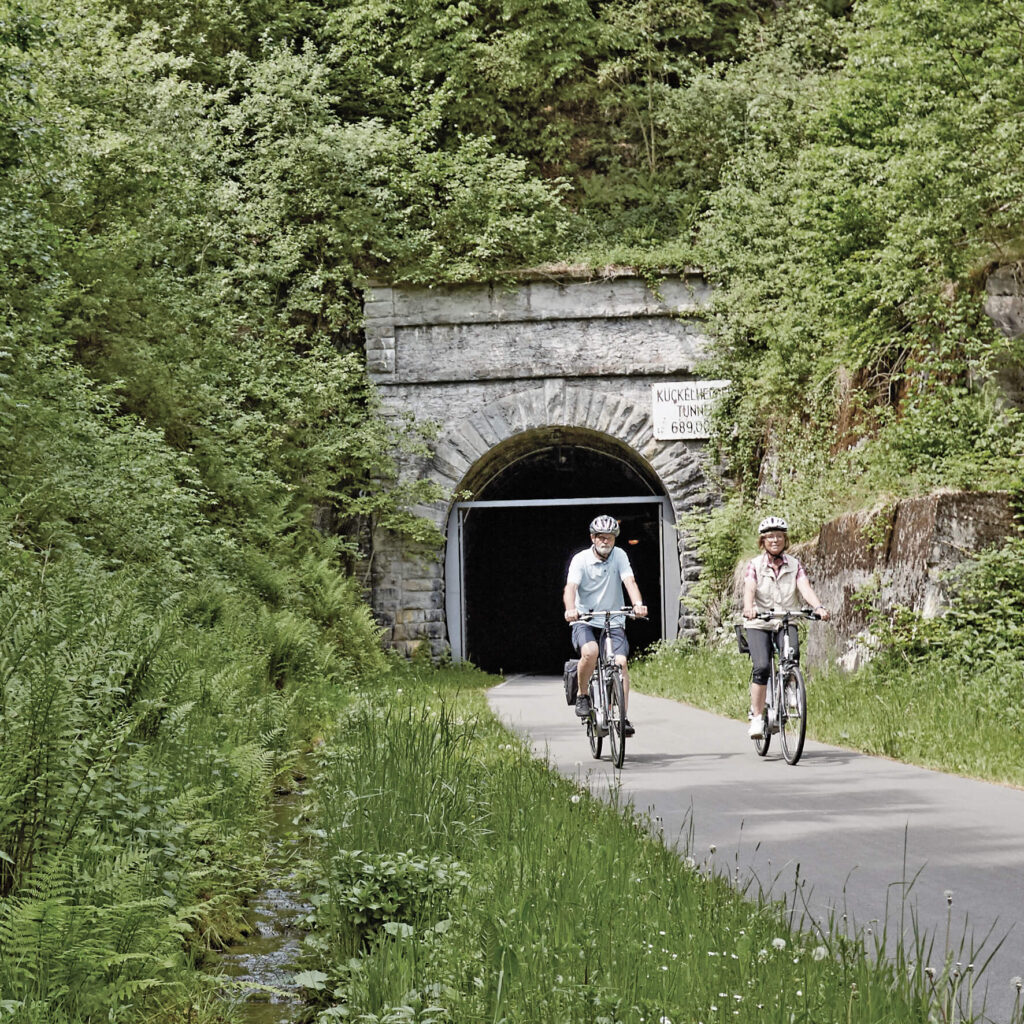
[607, 693]
[785, 706]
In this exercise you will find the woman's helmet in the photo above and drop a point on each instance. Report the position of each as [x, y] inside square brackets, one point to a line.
[605, 524]
[773, 523]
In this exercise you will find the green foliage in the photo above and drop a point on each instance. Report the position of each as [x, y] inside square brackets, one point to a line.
[192, 195]
[722, 535]
[847, 235]
[983, 626]
[365, 892]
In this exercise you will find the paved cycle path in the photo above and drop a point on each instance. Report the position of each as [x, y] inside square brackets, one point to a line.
[867, 837]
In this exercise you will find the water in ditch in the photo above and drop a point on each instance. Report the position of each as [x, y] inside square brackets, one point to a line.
[263, 965]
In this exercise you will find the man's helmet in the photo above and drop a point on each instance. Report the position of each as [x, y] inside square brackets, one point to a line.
[773, 523]
[605, 524]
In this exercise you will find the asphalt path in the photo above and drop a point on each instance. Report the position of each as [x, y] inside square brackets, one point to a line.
[887, 845]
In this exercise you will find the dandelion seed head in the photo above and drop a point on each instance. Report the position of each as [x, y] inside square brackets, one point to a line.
[819, 953]
[949, 897]
[575, 798]
[778, 943]
[1017, 983]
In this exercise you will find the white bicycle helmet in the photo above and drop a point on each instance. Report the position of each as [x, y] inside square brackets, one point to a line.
[605, 524]
[773, 523]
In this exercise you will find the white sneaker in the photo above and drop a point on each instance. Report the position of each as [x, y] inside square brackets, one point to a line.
[756, 730]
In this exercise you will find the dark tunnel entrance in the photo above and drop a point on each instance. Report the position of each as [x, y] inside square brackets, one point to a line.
[509, 549]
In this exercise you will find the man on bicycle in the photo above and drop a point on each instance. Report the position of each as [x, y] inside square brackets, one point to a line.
[773, 582]
[594, 584]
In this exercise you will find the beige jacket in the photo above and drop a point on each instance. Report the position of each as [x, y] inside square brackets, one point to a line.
[773, 593]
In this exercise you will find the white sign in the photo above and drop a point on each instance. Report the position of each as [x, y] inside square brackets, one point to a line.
[680, 410]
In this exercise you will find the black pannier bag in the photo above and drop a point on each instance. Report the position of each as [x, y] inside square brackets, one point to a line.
[741, 638]
[572, 683]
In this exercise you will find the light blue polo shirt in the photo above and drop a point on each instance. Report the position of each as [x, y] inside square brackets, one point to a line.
[599, 583]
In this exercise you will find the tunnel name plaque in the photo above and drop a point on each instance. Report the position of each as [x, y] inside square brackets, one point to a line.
[681, 410]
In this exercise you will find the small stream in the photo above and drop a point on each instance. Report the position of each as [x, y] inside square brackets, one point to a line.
[268, 956]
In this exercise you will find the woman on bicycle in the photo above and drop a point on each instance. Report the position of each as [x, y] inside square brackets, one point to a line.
[773, 582]
[594, 584]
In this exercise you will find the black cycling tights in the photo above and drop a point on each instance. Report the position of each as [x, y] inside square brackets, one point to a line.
[760, 643]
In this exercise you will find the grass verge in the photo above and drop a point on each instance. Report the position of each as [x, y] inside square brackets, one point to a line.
[458, 879]
[960, 719]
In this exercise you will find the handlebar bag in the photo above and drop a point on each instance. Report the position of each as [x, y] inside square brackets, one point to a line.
[571, 680]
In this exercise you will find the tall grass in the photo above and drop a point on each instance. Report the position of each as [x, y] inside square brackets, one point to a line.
[458, 879]
[954, 717]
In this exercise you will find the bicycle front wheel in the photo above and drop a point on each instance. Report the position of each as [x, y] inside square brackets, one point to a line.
[761, 745]
[793, 716]
[616, 718]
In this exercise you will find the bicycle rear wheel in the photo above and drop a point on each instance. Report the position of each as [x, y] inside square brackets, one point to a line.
[616, 718]
[793, 716]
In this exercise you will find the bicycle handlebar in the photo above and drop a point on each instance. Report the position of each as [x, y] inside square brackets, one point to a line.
[626, 609]
[801, 613]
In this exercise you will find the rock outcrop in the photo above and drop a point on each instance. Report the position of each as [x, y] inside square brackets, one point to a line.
[903, 551]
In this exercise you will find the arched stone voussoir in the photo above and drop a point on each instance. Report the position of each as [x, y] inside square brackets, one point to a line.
[546, 407]
[535, 408]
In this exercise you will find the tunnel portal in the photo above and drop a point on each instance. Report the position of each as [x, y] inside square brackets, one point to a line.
[552, 400]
